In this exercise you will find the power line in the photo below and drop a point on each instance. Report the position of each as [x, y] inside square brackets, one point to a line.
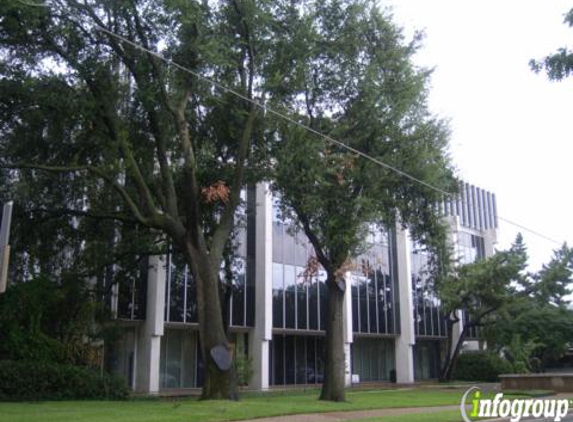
[308, 128]
[272, 111]
[299, 124]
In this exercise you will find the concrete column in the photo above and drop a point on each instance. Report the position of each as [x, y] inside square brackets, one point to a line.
[406, 340]
[348, 334]
[149, 336]
[261, 335]
[490, 239]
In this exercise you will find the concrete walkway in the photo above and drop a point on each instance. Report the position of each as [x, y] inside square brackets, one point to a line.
[354, 414]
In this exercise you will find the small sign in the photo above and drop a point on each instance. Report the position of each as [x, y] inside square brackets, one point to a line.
[222, 357]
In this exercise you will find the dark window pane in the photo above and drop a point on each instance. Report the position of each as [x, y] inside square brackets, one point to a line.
[388, 286]
[301, 298]
[323, 298]
[192, 312]
[176, 292]
[200, 367]
[290, 296]
[251, 303]
[289, 360]
[372, 303]
[278, 299]
[125, 298]
[313, 304]
[238, 299]
[310, 360]
[301, 360]
[382, 305]
[363, 304]
[319, 359]
[278, 358]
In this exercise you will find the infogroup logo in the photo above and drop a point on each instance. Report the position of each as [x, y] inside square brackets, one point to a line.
[514, 409]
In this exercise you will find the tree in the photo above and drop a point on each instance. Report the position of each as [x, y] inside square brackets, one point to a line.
[351, 73]
[90, 111]
[537, 324]
[47, 321]
[481, 289]
[551, 285]
[558, 65]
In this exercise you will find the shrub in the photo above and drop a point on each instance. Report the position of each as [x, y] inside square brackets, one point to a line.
[28, 380]
[481, 366]
[244, 368]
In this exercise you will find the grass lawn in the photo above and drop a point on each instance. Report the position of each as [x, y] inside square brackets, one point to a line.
[251, 406]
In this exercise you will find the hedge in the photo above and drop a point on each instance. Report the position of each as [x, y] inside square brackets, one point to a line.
[481, 366]
[27, 380]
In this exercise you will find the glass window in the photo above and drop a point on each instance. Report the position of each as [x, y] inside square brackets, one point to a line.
[313, 304]
[363, 291]
[301, 359]
[301, 298]
[355, 304]
[323, 298]
[278, 296]
[290, 360]
[278, 242]
[310, 360]
[290, 296]
[192, 311]
[372, 305]
[288, 248]
[300, 250]
[238, 297]
[176, 293]
[279, 360]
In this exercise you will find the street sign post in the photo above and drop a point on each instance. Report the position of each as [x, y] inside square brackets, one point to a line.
[4, 245]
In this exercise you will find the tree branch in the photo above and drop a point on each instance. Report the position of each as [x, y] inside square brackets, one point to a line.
[93, 170]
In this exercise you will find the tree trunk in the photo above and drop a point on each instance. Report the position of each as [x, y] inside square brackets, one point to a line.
[449, 345]
[452, 358]
[334, 365]
[220, 382]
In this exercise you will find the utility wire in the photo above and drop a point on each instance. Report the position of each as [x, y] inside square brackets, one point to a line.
[299, 124]
[308, 128]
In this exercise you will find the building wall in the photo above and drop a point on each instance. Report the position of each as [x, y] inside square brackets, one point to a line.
[395, 329]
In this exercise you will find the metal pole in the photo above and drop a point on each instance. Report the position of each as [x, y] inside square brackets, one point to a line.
[4, 246]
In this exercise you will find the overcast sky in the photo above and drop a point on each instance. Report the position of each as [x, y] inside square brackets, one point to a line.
[511, 128]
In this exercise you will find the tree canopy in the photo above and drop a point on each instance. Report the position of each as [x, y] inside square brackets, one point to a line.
[94, 123]
[351, 76]
[558, 65]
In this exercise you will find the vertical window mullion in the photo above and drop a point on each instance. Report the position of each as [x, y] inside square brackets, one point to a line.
[185, 294]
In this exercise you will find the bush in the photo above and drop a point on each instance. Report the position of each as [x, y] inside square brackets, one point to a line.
[25, 380]
[481, 366]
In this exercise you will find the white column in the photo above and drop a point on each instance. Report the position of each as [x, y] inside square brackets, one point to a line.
[262, 333]
[348, 334]
[406, 340]
[490, 240]
[149, 338]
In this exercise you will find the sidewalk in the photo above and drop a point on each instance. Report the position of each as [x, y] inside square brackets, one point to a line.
[354, 414]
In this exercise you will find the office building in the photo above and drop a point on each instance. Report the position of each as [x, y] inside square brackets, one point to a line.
[394, 327]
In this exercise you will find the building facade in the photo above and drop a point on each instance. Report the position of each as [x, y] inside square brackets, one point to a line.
[394, 327]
